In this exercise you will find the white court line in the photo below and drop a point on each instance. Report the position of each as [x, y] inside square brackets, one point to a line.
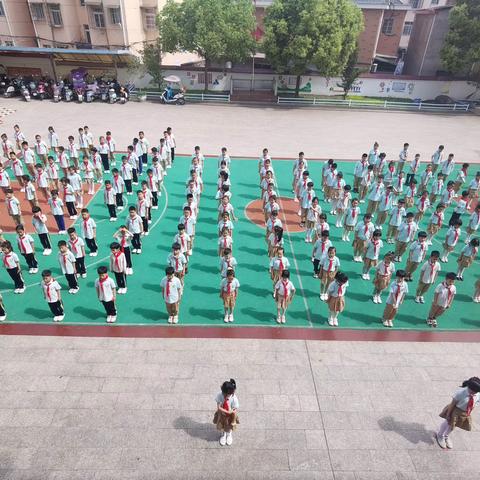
[100, 260]
[307, 309]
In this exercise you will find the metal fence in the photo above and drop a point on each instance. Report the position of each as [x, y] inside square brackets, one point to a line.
[387, 104]
[192, 97]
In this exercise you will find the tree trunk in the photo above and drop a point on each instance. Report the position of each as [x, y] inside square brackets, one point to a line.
[205, 72]
[297, 86]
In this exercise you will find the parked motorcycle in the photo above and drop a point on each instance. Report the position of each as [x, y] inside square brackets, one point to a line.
[41, 90]
[57, 92]
[25, 93]
[177, 99]
[112, 95]
[10, 90]
[79, 92]
[67, 93]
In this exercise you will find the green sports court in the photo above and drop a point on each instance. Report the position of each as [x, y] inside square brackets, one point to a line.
[201, 305]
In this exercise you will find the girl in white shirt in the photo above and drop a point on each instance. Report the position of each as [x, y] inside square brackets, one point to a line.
[467, 257]
[228, 293]
[225, 417]
[284, 293]
[329, 266]
[336, 298]
[443, 298]
[396, 296]
[106, 293]
[53, 139]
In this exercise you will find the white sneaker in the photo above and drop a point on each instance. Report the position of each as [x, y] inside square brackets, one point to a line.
[441, 441]
[170, 319]
[139, 251]
[229, 438]
[60, 318]
[113, 219]
[422, 300]
[230, 317]
[75, 290]
[335, 322]
[30, 270]
[129, 271]
[120, 208]
[113, 319]
[390, 323]
[3, 318]
[417, 299]
[385, 323]
[155, 207]
[134, 250]
[283, 319]
[16, 290]
[379, 299]
[21, 290]
[109, 318]
[367, 276]
[223, 439]
[476, 299]
[225, 318]
[448, 442]
[62, 232]
[84, 275]
[175, 319]
[330, 322]
[375, 299]
[146, 233]
[35, 270]
[279, 319]
[149, 222]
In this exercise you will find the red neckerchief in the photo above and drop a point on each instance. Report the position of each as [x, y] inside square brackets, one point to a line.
[285, 288]
[116, 256]
[23, 247]
[101, 282]
[6, 256]
[471, 403]
[48, 285]
[280, 265]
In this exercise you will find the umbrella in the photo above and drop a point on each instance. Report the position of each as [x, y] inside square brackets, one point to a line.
[172, 78]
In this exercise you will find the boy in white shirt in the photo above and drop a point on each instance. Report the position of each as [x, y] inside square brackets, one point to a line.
[406, 234]
[443, 298]
[77, 247]
[375, 195]
[76, 182]
[83, 141]
[135, 227]
[473, 223]
[41, 149]
[51, 293]
[416, 255]
[12, 266]
[437, 158]
[69, 197]
[228, 293]
[402, 157]
[414, 166]
[428, 276]
[396, 296]
[451, 239]
[118, 265]
[145, 145]
[13, 207]
[360, 170]
[39, 221]
[172, 291]
[171, 144]
[7, 146]
[66, 259]
[363, 232]
[372, 252]
[178, 261]
[227, 262]
[72, 149]
[284, 293]
[397, 215]
[127, 174]
[447, 166]
[26, 247]
[111, 146]
[224, 157]
[89, 232]
[28, 157]
[106, 293]
[56, 206]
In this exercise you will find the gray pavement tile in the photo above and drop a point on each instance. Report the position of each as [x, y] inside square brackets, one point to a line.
[94, 400]
[85, 384]
[72, 475]
[297, 386]
[121, 356]
[355, 440]
[26, 417]
[296, 475]
[442, 462]
[345, 403]
[281, 403]
[410, 439]
[303, 420]
[371, 460]
[48, 384]
[143, 401]
[316, 460]
[124, 385]
[12, 458]
[24, 474]
[316, 439]
[156, 385]
[308, 403]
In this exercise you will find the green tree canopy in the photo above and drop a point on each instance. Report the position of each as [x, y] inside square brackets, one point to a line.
[461, 50]
[319, 33]
[217, 30]
[350, 73]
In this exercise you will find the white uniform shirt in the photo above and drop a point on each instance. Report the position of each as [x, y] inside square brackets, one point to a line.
[373, 249]
[364, 230]
[397, 293]
[42, 179]
[41, 147]
[474, 221]
[56, 206]
[87, 227]
[183, 241]
[447, 167]
[51, 291]
[10, 260]
[429, 271]
[178, 263]
[25, 243]
[284, 288]
[134, 224]
[105, 289]
[40, 223]
[423, 204]
[469, 251]
[385, 202]
[77, 247]
[72, 150]
[360, 168]
[75, 181]
[13, 206]
[17, 167]
[229, 287]
[462, 398]
[118, 184]
[396, 217]
[173, 292]
[53, 139]
[418, 251]
[28, 156]
[330, 264]
[4, 179]
[437, 187]
[232, 401]
[453, 234]
[225, 242]
[351, 217]
[337, 290]
[407, 231]
[279, 264]
[126, 171]
[118, 263]
[226, 265]
[445, 294]
[63, 159]
[189, 224]
[30, 191]
[376, 192]
[67, 262]
[437, 157]
[385, 270]
[320, 249]
[68, 193]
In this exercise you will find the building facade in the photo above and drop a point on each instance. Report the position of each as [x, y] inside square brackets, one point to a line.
[106, 24]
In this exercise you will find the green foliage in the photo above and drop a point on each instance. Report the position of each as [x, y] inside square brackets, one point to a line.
[461, 50]
[150, 61]
[318, 33]
[350, 73]
[217, 30]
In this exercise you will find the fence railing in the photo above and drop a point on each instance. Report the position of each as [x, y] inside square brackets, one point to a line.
[387, 104]
[192, 97]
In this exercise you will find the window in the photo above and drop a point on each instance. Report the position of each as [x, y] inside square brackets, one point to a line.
[115, 15]
[47, 45]
[82, 3]
[387, 27]
[86, 30]
[9, 43]
[98, 17]
[150, 19]
[55, 14]
[407, 28]
[38, 13]
[434, 2]
[417, 3]
[2, 10]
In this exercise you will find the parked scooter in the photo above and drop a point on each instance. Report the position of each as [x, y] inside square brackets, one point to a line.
[10, 90]
[177, 99]
[57, 92]
[67, 93]
[112, 95]
[25, 93]
[41, 90]
[79, 92]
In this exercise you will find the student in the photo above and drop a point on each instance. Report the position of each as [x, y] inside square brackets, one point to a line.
[375, 195]
[13, 207]
[52, 172]
[390, 175]
[172, 291]
[63, 161]
[56, 206]
[41, 178]
[69, 198]
[39, 221]
[142, 210]
[467, 257]
[109, 200]
[83, 141]
[227, 262]
[164, 154]
[111, 146]
[336, 298]
[443, 298]
[398, 184]
[275, 240]
[136, 160]
[127, 175]
[422, 204]
[89, 136]
[51, 293]
[26, 246]
[447, 195]
[272, 206]
[447, 166]
[153, 184]
[313, 215]
[459, 412]
[118, 186]
[135, 226]
[225, 241]
[384, 206]
[350, 220]
[416, 255]
[4, 179]
[12, 266]
[118, 266]
[17, 169]
[341, 204]
[189, 221]
[383, 274]
[284, 293]
[366, 183]
[76, 182]
[402, 157]
[329, 266]
[18, 136]
[396, 296]
[28, 157]
[177, 260]
[460, 208]
[436, 190]
[380, 164]
[359, 172]
[428, 276]
[410, 194]
[41, 149]
[225, 417]
[435, 223]
[372, 252]
[228, 293]
[425, 178]
[30, 192]
[226, 207]
[171, 144]
[406, 234]
[96, 161]
[362, 234]
[473, 223]
[397, 215]
[3, 313]
[337, 185]
[224, 157]
[437, 158]
[476, 294]
[413, 170]
[89, 232]
[72, 149]
[461, 177]
[77, 247]
[66, 259]
[87, 168]
[103, 150]
[145, 145]
[320, 250]
[278, 264]
[474, 187]
[183, 240]
[373, 154]
[106, 293]
[451, 239]
[123, 237]
[224, 223]
[147, 195]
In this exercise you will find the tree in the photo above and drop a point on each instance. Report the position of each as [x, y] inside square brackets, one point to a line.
[350, 73]
[217, 30]
[311, 33]
[150, 61]
[461, 51]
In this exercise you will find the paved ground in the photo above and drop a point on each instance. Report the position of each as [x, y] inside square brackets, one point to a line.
[95, 408]
[245, 130]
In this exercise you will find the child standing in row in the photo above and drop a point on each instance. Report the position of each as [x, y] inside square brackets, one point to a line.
[172, 291]
[51, 292]
[106, 293]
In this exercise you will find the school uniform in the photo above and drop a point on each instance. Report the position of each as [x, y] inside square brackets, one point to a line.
[19, 138]
[383, 275]
[271, 207]
[109, 200]
[284, 289]
[473, 224]
[118, 186]
[445, 294]
[184, 242]
[402, 158]
[223, 243]
[397, 216]
[56, 207]
[396, 295]
[414, 165]
[83, 142]
[312, 217]
[398, 184]
[451, 239]
[229, 291]
[447, 196]
[144, 145]
[127, 174]
[437, 189]
[134, 226]
[14, 209]
[277, 266]
[224, 158]
[446, 168]
[106, 291]
[77, 247]
[172, 293]
[226, 265]
[373, 156]
[425, 179]
[4, 179]
[67, 264]
[320, 251]
[416, 255]
[473, 188]
[341, 203]
[384, 206]
[62, 159]
[226, 422]
[69, 199]
[428, 275]
[11, 263]
[436, 160]
[365, 184]
[25, 246]
[221, 225]
[458, 211]
[118, 265]
[406, 234]
[435, 224]
[372, 253]
[461, 416]
[138, 151]
[40, 225]
[379, 166]
[410, 194]
[111, 147]
[329, 267]
[422, 204]
[124, 241]
[28, 156]
[88, 227]
[142, 210]
[363, 233]
[17, 167]
[336, 296]
[189, 223]
[42, 179]
[153, 187]
[87, 169]
[30, 193]
[75, 182]
[96, 160]
[467, 256]
[171, 144]
[178, 263]
[374, 197]
[53, 139]
[350, 219]
[41, 149]
[104, 152]
[51, 293]
[72, 150]
[132, 160]
[359, 172]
